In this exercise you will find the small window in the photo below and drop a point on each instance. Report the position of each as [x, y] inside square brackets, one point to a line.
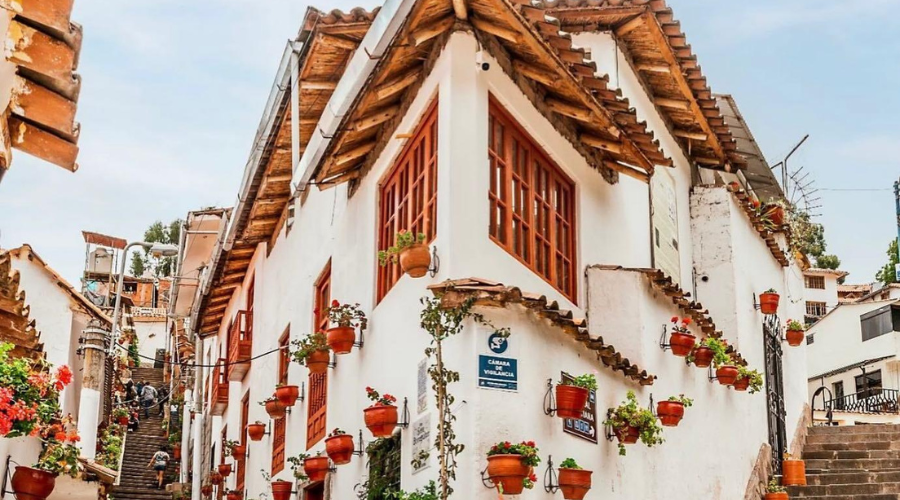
[532, 203]
[815, 282]
[129, 288]
[876, 323]
[868, 385]
[384, 468]
[815, 309]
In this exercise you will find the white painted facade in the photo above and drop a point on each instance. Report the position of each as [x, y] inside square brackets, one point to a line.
[827, 295]
[719, 251]
[151, 336]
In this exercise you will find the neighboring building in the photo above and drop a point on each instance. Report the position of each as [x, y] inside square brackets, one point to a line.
[821, 292]
[853, 353]
[886, 292]
[382, 121]
[852, 293]
[38, 84]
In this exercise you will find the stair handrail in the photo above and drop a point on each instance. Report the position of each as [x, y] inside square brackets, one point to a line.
[826, 405]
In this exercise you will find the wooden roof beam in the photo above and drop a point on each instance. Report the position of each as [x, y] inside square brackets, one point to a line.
[460, 9]
[355, 153]
[532, 72]
[568, 109]
[397, 84]
[498, 31]
[601, 144]
[672, 103]
[431, 30]
[653, 68]
[317, 85]
[630, 25]
[375, 119]
[687, 134]
[338, 41]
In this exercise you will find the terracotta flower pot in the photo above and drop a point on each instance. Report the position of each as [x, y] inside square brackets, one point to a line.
[574, 483]
[741, 384]
[776, 215]
[670, 412]
[341, 339]
[317, 362]
[777, 496]
[339, 449]
[415, 260]
[795, 337]
[225, 470]
[206, 490]
[381, 420]
[627, 434]
[281, 490]
[768, 303]
[239, 451]
[215, 478]
[275, 409]
[32, 484]
[176, 452]
[703, 357]
[509, 472]
[570, 401]
[727, 374]
[316, 468]
[123, 420]
[682, 343]
[234, 495]
[256, 431]
[793, 473]
[287, 394]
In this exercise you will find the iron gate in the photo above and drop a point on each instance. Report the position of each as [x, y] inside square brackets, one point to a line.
[775, 389]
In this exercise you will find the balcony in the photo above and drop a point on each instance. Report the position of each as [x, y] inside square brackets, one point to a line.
[219, 398]
[240, 345]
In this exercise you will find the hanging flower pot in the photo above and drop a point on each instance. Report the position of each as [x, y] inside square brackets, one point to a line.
[570, 400]
[410, 251]
[316, 468]
[32, 484]
[176, 452]
[239, 451]
[703, 357]
[206, 490]
[215, 478]
[281, 490]
[224, 469]
[508, 472]
[727, 374]
[274, 408]
[671, 412]
[341, 339]
[793, 472]
[627, 434]
[339, 447]
[287, 394]
[381, 420]
[313, 352]
[776, 215]
[796, 333]
[256, 431]
[574, 482]
[741, 384]
[681, 341]
[317, 362]
[768, 302]
[234, 495]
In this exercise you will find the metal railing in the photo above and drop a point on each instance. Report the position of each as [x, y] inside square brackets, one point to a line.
[874, 400]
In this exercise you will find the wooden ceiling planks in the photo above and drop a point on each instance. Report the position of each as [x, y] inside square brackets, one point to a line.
[659, 53]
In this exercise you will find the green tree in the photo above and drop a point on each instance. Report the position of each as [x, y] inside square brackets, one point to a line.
[157, 233]
[808, 237]
[828, 262]
[887, 274]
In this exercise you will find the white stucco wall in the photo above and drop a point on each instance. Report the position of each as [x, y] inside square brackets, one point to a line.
[151, 336]
[613, 228]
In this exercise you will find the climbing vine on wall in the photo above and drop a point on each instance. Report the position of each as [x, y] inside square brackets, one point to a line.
[442, 321]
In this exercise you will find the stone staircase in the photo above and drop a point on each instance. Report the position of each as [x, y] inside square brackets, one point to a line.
[137, 482]
[859, 462]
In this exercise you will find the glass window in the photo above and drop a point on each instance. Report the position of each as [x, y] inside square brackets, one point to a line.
[876, 323]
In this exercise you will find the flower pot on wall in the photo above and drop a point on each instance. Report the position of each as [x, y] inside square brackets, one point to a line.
[206, 490]
[281, 490]
[768, 303]
[509, 472]
[682, 343]
[627, 434]
[703, 357]
[215, 478]
[316, 468]
[776, 215]
[239, 451]
[176, 452]
[234, 495]
[794, 473]
[275, 409]
[317, 362]
[381, 420]
[339, 449]
[795, 337]
[670, 412]
[256, 431]
[32, 484]
[777, 496]
[123, 420]
[224, 469]
[341, 339]
[570, 401]
[741, 384]
[415, 260]
[574, 483]
[727, 374]
[287, 394]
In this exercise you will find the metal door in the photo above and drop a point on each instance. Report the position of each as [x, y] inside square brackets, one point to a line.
[775, 389]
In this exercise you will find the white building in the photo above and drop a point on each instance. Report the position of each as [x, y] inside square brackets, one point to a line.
[394, 126]
[821, 291]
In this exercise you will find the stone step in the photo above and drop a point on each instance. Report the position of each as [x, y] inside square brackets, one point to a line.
[854, 429]
[844, 489]
[884, 496]
[851, 477]
[872, 445]
[864, 464]
[857, 437]
[849, 454]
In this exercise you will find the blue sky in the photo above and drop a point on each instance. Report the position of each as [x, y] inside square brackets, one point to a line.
[173, 92]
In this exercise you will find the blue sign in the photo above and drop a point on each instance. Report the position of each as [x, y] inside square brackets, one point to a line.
[498, 373]
[497, 343]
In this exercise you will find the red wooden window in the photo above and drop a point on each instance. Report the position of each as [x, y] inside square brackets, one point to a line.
[532, 204]
[409, 195]
[317, 408]
[245, 419]
[279, 429]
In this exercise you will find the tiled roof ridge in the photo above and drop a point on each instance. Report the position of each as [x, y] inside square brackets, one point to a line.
[354, 15]
[491, 293]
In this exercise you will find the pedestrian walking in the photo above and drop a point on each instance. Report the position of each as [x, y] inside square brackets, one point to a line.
[148, 398]
[159, 462]
[163, 393]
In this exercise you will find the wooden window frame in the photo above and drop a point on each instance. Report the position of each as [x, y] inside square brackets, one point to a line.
[279, 428]
[409, 204]
[815, 282]
[514, 193]
[242, 464]
[317, 405]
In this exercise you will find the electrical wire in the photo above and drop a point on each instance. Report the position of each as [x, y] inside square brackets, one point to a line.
[217, 365]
